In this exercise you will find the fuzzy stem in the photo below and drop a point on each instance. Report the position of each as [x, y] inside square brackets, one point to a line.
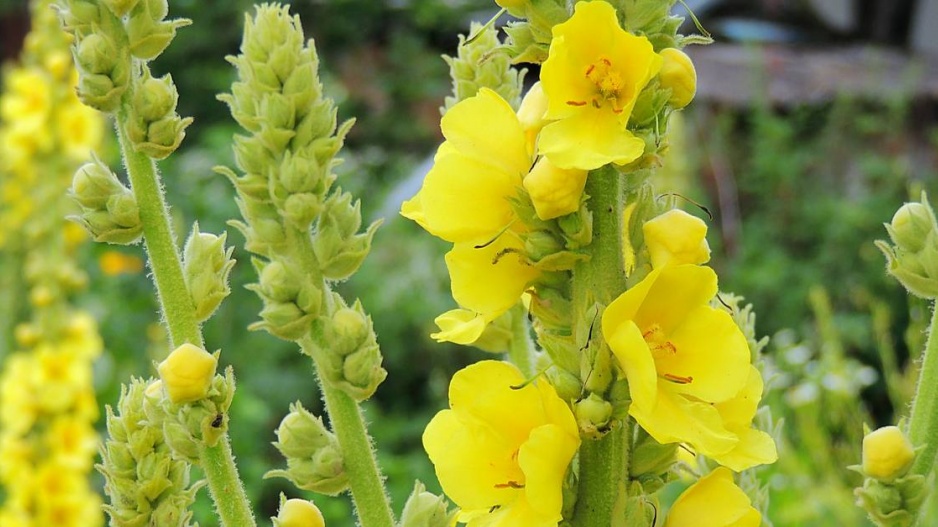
[231, 503]
[923, 425]
[604, 462]
[165, 263]
[358, 455]
[520, 351]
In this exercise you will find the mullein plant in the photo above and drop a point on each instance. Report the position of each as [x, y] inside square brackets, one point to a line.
[898, 460]
[47, 402]
[552, 212]
[550, 206]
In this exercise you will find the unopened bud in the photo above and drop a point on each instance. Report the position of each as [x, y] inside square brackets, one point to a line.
[425, 509]
[555, 191]
[299, 513]
[887, 453]
[148, 34]
[913, 257]
[187, 373]
[338, 245]
[593, 415]
[352, 359]
[676, 238]
[93, 184]
[207, 264]
[120, 7]
[678, 74]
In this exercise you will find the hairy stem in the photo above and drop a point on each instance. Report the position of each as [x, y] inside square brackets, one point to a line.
[231, 503]
[923, 425]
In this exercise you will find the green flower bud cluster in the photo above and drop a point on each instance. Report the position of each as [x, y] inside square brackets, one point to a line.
[206, 265]
[529, 38]
[913, 256]
[481, 63]
[652, 18]
[109, 35]
[348, 354]
[314, 458]
[109, 209]
[153, 126]
[425, 509]
[188, 427]
[305, 232]
[145, 483]
[891, 494]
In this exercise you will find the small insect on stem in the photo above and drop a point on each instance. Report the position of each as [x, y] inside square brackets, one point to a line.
[216, 423]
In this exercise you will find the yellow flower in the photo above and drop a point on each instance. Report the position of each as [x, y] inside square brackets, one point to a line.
[554, 191]
[80, 130]
[465, 200]
[72, 442]
[714, 501]
[113, 263]
[678, 74]
[187, 373]
[300, 513]
[18, 404]
[28, 100]
[887, 453]
[531, 114]
[680, 356]
[676, 238]
[592, 77]
[501, 451]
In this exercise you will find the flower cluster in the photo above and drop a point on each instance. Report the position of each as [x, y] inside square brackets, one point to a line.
[551, 206]
[47, 437]
[47, 401]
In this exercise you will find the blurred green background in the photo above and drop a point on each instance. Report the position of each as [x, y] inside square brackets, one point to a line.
[798, 192]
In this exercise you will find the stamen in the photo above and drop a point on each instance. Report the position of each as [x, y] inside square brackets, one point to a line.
[677, 379]
[509, 485]
[590, 69]
[576, 103]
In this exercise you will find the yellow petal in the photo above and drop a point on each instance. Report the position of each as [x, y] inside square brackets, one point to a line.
[710, 349]
[544, 458]
[674, 293]
[412, 209]
[477, 445]
[459, 326]
[738, 411]
[626, 342]
[464, 199]
[490, 279]
[531, 114]
[484, 390]
[485, 128]
[714, 501]
[588, 140]
[755, 447]
[676, 419]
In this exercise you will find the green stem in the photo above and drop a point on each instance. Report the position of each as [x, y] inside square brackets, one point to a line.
[604, 462]
[225, 486]
[358, 455]
[163, 254]
[923, 425]
[520, 351]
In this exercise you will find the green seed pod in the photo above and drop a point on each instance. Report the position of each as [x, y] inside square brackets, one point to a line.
[206, 265]
[425, 509]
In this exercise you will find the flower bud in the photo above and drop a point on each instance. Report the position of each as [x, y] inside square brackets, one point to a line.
[479, 64]
[338, 246]
[531, 113]
[96, 54]
[887, 453]
[676, 238]
[109, 210]
[120, 7]
[314, 458]
[93, 184]
[187, 373]
[678, 74]
[425, 509]
[206, 266]
[148, 34]
[913, 257]
[299, 513]
[153, 127]
[593, 415]
[351, 359]
[555, 191]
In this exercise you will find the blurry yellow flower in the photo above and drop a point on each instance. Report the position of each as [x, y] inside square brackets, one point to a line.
[500, 451]
[714, 501]
[680, 356]
[187, 373]
[593, 75]
[17, 456]
[676, 238]
[18, 406]
[72, 442]
[74, 234]
[80, 130]
[554, 191]
[678, 74]
[887, 453]
[113, 263]
[62, 374]
[300, 513]
[28, 99]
